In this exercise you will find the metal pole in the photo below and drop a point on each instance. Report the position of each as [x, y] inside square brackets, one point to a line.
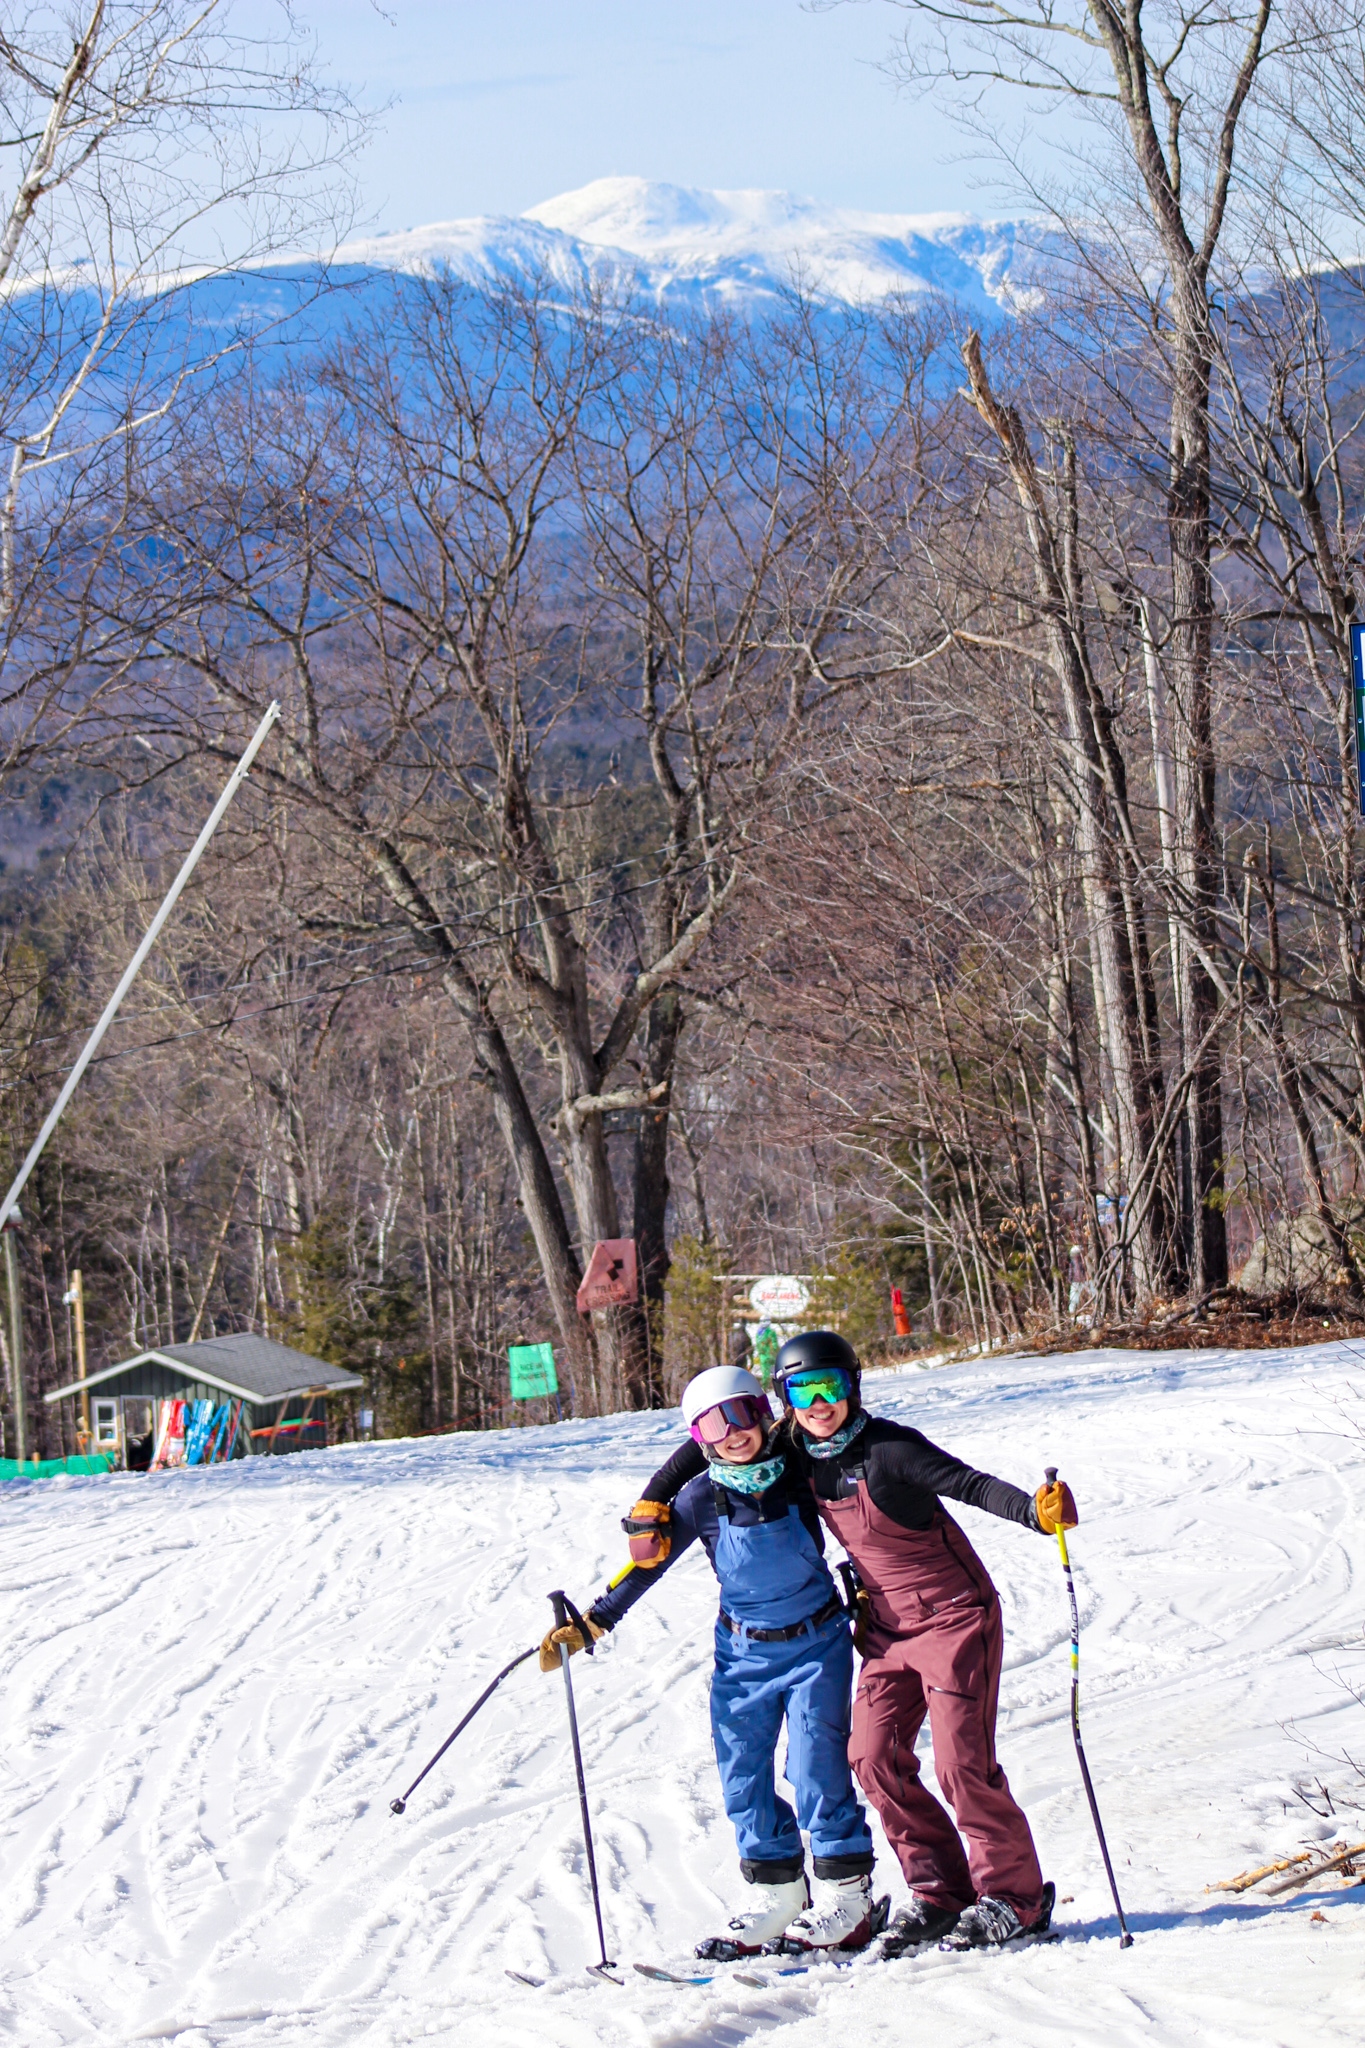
[130, 972]
[1125, 1938]
[16, 1342]
[400, 1804]
[78, 1303]
[564, 1610]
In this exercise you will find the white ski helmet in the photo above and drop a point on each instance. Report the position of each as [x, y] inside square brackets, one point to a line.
[719, 1383]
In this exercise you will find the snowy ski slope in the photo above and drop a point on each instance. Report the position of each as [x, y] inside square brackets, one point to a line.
[213, 1683]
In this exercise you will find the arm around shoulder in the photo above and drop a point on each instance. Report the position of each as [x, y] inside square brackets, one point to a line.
[687, 1462]
[636, 1580]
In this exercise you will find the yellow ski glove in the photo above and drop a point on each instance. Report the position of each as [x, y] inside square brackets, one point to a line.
[1055, 1507]
[647, 1526]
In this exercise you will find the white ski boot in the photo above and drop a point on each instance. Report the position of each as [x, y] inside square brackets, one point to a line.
[778, 1905]
[843, 1915]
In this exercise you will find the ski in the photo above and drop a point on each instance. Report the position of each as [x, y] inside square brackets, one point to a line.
[660, 1976]
[771, 1968]
[1004, 1948]
[876, 1955]
[593, 1970]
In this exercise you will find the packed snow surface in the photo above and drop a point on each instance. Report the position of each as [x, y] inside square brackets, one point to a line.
[213, 1682]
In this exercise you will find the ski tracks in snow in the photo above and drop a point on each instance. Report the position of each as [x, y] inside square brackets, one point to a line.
[212, 1683]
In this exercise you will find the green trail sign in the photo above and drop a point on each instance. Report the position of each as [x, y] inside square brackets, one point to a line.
[1358, 694]
[532, 1370]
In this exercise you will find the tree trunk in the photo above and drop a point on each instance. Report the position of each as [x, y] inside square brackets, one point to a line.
[1126, 1007]
[1196, 850]
[651, 1185]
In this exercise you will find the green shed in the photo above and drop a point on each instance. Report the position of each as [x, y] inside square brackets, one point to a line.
[224, 1397]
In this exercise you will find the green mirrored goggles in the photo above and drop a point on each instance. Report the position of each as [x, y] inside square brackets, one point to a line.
[830, 1385]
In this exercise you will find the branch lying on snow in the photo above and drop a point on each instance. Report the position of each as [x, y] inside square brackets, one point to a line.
[1287, 1884]
[1251, 1877]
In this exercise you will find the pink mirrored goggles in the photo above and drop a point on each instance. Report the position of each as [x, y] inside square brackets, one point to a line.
[741, 1411]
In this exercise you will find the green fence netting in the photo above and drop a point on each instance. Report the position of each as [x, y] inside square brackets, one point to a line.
[47, 1468]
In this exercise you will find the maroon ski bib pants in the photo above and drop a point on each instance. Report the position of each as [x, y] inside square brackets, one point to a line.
[934, 1646]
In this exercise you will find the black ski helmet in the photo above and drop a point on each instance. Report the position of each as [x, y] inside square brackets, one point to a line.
[811, 1350]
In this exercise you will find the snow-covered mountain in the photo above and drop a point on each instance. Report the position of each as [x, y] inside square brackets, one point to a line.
[683, 249]
[742, 248]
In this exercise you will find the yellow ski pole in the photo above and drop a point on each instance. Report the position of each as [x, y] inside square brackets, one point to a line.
[1125, 1938]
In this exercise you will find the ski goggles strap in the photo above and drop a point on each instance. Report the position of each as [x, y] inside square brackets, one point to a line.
[825, 1383]
[741, 1411]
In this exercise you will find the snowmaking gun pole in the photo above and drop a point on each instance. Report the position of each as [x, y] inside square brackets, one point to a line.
[400, 1804]
[131, 971]
[566, 1612]
[1125, 1938]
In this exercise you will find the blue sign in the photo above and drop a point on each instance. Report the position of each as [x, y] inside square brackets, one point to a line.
[1358, 695]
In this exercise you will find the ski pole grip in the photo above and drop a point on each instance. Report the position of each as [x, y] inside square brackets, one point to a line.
[576, 1618]
[566, 1612]
[1050, 1474]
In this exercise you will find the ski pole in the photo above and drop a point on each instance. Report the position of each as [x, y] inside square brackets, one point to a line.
[1125, 1938]
[566, 1612]
[400, 1805]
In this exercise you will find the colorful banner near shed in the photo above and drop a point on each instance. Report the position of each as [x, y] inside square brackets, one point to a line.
[170, 1435]
[199, 1419]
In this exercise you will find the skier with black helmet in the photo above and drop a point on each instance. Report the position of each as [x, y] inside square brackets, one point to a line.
[932, 1645]
[782, 1651]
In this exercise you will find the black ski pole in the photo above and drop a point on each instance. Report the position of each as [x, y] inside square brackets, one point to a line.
[1125, 1938]
[400, 1805]
[566, 1612]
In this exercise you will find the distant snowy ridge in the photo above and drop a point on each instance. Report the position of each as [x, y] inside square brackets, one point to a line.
[740, 248]
[686, 250]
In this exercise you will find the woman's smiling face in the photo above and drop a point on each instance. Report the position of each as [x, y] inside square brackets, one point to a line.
[739, 1446]
[823, 1417]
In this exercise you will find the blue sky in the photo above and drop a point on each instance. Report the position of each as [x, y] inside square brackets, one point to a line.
[500, 103]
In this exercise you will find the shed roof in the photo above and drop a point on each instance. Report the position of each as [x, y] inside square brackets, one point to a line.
[253, 1368]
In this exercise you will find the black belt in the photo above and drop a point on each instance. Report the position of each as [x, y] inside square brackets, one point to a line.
[834, 1605]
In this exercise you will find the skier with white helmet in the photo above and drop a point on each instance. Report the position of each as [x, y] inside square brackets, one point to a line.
[783, 1651]
[932, 1643]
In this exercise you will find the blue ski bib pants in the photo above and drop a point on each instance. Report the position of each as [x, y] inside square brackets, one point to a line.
[772, 1576]
[773, 1579]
